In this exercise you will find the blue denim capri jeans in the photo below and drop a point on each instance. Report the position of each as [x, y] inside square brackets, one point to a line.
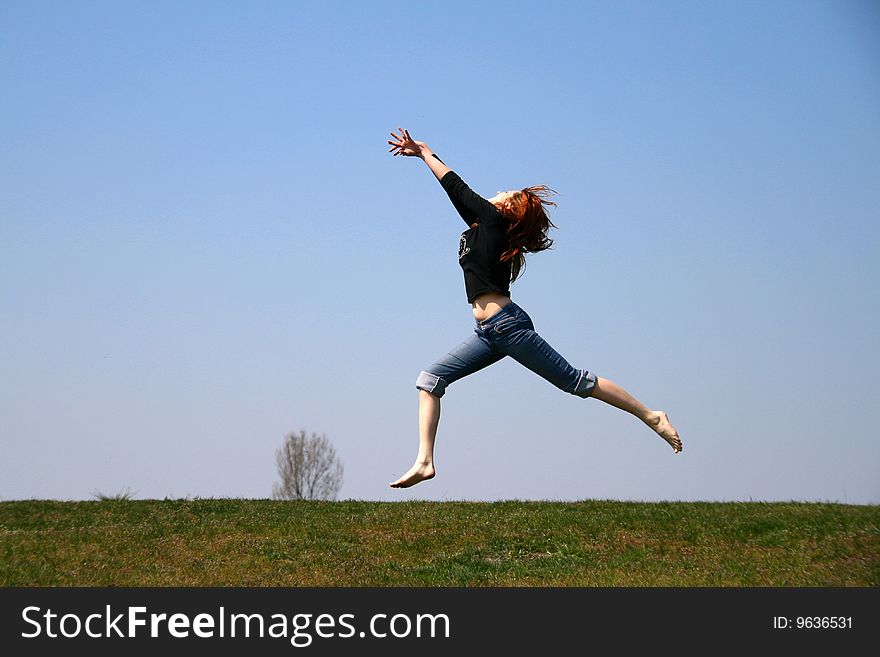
[509, 332]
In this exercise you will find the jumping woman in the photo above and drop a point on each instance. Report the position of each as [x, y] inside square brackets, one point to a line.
[501, 230]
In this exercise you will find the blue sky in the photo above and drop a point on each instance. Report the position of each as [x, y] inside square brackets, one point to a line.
[204, 244]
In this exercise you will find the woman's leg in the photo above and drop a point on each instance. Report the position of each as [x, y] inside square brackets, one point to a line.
[523, 343]
[470, 356]
[429, 419]
[609, 392]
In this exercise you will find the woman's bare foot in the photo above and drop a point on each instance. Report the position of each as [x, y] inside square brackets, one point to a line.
[419, 472]
[659, 422]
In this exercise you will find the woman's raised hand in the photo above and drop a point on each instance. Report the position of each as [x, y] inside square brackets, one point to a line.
[403, 144]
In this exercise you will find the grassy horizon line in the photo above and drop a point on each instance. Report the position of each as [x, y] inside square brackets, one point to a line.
[99, 496]
[264, 542]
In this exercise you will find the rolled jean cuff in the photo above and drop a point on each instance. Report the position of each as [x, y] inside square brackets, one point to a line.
[431, 383]
[585, 385]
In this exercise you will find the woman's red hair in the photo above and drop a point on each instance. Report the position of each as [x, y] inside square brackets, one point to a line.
[529, 223]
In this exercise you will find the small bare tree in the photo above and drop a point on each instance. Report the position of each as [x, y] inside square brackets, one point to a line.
[308, 467]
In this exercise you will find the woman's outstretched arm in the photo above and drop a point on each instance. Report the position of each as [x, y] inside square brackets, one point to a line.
[472, 207]
[405, 145]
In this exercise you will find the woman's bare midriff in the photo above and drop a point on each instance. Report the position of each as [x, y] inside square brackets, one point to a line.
[489, 303]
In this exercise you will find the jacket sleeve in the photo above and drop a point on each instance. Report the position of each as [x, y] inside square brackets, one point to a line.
[472, 207]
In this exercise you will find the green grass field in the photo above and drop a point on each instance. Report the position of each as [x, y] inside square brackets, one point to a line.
[235, 542]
